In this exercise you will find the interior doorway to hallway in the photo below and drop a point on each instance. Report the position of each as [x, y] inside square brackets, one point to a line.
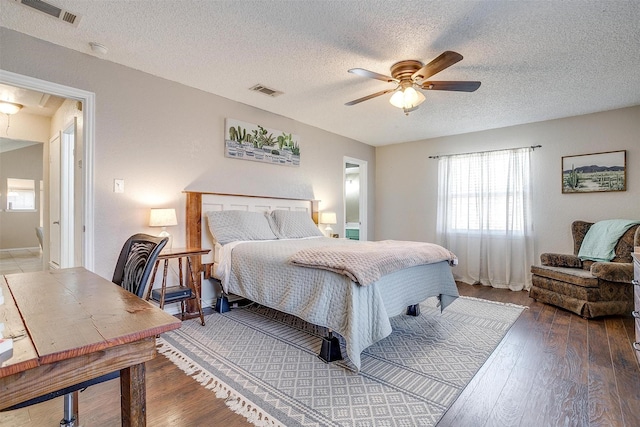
[355, 198]
[76, 142]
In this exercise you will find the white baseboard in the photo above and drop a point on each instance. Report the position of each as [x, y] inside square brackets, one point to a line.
[35, 248]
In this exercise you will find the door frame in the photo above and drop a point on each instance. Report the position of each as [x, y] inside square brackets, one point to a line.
[67, 193]
[53, 226]
[88, 138]
[363, 191]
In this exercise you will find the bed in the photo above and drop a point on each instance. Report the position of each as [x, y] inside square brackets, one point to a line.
[257, 242]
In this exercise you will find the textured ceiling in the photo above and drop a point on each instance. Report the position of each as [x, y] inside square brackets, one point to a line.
[537, 60]
[37, 103]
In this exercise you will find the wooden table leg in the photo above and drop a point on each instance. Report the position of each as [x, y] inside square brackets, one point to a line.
[133, 396]
[181, 283]
[191, 277]
[164, 284]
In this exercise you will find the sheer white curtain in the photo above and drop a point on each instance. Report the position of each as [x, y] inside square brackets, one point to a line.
[484, 216]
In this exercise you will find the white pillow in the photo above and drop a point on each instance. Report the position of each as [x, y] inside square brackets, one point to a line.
[230, 226]
[293, 224]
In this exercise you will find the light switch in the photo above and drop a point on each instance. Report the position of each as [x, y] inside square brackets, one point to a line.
[118, 185]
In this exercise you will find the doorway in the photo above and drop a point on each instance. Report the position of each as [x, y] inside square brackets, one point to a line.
[355, 198]
[79, 250]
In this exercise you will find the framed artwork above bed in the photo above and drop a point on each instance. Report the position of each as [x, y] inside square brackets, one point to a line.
[248, 141]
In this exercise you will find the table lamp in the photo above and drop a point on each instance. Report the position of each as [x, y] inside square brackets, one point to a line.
[163, 218]
[328, 218]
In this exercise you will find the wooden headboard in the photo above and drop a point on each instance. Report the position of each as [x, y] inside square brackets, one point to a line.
[197, 232]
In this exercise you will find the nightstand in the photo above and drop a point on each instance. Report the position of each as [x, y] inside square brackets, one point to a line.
[186, 290]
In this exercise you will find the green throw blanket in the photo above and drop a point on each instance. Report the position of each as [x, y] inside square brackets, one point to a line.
[601, 239]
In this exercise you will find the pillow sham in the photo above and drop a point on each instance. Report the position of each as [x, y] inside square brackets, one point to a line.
[230, 226]
[293, 224]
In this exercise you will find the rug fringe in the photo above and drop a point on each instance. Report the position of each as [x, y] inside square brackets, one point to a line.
[234, 400]
[508, 304]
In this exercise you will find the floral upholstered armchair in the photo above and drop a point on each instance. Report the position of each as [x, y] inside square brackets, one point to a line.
[586, 287]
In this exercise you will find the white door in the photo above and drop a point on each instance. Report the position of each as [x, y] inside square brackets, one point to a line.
[355, 198]
[54, 203]
[62, 198]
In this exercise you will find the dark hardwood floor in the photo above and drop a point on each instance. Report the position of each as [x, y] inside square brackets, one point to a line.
[553, 368]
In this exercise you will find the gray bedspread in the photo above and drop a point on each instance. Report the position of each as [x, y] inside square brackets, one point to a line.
[260, 272]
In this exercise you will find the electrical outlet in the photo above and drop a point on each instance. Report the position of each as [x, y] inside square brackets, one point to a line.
[118, 185]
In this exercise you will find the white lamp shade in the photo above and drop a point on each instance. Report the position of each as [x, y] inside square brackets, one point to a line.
[407, 98]
[328, 218]
[162, 218]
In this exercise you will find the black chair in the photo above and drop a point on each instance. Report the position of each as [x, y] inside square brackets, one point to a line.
[134, 266]
[136, 261]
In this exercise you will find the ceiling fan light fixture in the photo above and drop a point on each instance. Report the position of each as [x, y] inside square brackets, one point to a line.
[407, 99]
[411, 74]
[7, 107]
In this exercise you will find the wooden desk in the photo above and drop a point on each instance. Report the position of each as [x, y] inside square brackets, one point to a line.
[72, 325]
[194, 304]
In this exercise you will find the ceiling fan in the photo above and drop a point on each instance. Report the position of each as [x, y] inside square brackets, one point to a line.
[410, 75]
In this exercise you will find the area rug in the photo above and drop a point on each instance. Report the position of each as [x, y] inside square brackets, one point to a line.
[264, 364]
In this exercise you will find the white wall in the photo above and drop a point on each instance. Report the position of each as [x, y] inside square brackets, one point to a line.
[162, 137]
[406, 179]
[17, 229]
[24, 126]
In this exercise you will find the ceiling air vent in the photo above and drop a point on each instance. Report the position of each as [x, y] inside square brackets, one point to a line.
[266, 91]
[51, 10]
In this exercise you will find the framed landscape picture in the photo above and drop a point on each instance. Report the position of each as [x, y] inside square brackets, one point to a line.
[597, 172]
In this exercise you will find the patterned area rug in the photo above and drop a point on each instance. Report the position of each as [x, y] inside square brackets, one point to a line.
[265, 364]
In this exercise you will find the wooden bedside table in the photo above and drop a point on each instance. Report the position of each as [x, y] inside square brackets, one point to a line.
[186, 290]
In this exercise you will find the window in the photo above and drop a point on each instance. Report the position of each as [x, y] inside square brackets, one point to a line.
[484, 216]
[485, 191]
[21, 194]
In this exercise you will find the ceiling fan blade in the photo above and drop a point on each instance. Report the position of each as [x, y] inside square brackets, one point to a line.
[456, 86]
[368, 97]
[445, 60]
[370, 74]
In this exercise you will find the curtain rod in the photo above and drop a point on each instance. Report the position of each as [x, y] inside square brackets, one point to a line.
[533, 147]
